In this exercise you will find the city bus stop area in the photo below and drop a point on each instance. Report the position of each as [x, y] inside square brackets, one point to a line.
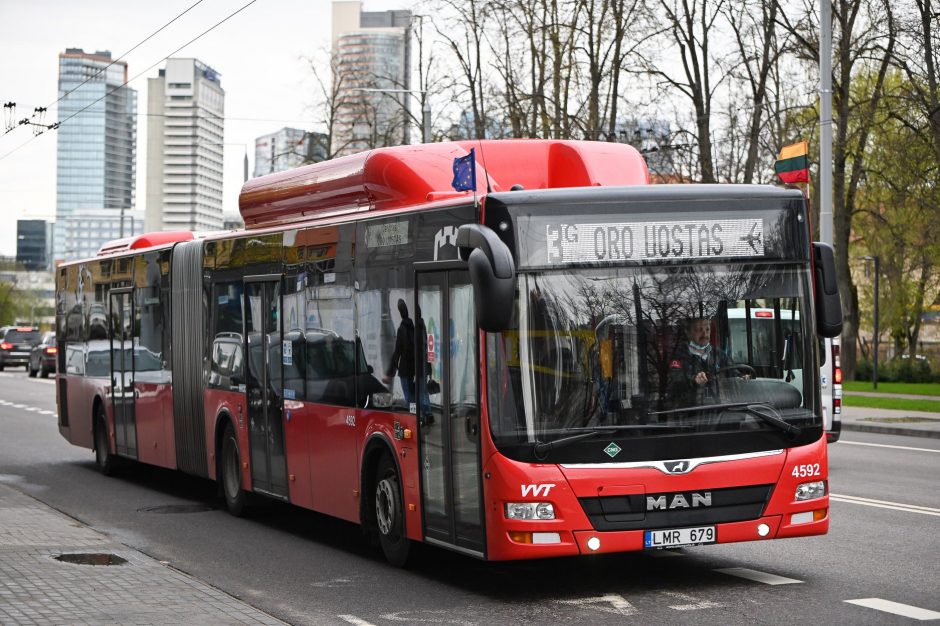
[56, 570]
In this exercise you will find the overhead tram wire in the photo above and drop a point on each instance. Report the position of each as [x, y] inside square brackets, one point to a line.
[105, 68]
[136, 76]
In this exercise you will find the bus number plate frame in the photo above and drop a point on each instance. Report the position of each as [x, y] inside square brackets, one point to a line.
[679, 537]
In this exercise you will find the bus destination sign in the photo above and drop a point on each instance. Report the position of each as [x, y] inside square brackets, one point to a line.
[638, 241]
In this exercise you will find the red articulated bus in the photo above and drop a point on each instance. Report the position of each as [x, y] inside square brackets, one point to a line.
[538, 367]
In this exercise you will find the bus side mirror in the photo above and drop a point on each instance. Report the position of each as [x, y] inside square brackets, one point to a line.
[492, 272]
[826, 296]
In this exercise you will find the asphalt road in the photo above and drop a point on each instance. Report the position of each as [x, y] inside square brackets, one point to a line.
[310, 569]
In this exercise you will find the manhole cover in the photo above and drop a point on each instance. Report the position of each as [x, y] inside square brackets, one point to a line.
[91, 559]
[176, 508]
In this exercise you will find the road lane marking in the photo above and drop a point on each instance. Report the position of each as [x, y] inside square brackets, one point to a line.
[761, 577]
[904, 610]
[882, 504]
[610, 603]
[355, 621]
[884, 445]
[692, 603]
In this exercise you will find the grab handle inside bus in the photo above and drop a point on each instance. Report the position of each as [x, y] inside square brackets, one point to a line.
[826, 287]
[492, 272]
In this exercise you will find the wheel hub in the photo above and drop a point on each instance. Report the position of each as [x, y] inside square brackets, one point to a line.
[385, 506]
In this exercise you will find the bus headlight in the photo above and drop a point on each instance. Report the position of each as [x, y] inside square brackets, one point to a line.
[810, 491]
[530, 510]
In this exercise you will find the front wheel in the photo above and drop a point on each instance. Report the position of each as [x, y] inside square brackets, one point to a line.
[235, 496]
[389, 513]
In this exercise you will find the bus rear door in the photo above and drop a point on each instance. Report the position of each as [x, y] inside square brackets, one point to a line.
[122, 372]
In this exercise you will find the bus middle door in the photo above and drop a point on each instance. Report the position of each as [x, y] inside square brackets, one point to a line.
[263, 386]
[448, 410]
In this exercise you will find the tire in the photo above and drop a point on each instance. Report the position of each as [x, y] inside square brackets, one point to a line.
[106, 462]
[32, 372]
[231, 475]
[43, 372]
[1, 368]
[390, 513]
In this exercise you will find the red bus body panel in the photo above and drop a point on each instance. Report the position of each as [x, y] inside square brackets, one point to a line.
[153, 409]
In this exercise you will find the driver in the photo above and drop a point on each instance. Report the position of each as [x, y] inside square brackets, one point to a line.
[695, 368]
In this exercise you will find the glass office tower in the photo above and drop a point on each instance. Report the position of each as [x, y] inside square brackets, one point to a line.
[97, 139]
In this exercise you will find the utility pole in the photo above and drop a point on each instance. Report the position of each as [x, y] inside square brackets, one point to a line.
[825, 121]
[874, 360]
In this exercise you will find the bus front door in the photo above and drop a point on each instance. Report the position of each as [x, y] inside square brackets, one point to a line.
[263, 386]
[448, 410]
[122, 372]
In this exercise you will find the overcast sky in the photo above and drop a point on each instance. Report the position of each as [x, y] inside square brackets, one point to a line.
[259, 54]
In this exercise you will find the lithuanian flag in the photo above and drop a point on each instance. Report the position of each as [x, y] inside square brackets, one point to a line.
[792, 165]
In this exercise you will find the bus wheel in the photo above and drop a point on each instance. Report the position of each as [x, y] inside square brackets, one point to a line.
[103, 457]
[235, 496]
[389, 513]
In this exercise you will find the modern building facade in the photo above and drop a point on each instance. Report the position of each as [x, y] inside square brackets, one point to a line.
[97, 138]
[372, 66]
[185, 127]
[288, 148]
[34, 244]
[86, 230]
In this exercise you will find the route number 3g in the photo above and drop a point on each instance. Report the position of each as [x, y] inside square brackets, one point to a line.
[805, 471]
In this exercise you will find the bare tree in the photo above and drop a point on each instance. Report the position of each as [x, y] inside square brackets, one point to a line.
[864, 37]
[690, 25]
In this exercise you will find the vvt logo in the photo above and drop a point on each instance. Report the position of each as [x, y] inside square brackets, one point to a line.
[445, 236]
[536, 490]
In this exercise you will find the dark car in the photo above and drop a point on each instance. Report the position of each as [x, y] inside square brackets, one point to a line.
[16, 344]
[42, 357]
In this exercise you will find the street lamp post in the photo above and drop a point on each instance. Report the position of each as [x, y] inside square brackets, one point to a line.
[425, 110]
[874, 371]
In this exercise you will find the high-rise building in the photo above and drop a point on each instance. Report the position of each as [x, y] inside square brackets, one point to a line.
[86, 230]
[186, 108]
[97, 139]
[34, 244]
[288, 148]
[372, 63]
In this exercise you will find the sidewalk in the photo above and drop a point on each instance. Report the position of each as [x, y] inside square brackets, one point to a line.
[35, 588]
[890, 422]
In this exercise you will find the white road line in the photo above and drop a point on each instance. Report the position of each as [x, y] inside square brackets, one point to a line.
[884, 445]
[761, 577]
[352, 619]
[881, 504]
[905, 610]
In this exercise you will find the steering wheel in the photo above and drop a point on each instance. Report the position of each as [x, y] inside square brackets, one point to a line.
[747, 369]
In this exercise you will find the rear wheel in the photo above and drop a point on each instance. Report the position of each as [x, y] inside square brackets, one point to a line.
[44, 372]
[32, 372]
[231, 478]
[103, 458]
[389, 513]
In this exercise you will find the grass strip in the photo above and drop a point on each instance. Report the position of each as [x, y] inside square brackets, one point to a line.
[920, 389]
[896, 404]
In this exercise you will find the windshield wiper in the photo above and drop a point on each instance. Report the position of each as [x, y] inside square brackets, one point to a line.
[541, 448]
[753, 408]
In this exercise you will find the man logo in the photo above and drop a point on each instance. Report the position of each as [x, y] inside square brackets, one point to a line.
[679, 501]
[443, 237]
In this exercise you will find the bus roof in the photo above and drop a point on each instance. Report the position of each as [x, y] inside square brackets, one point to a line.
[403, 176]
[147, 240]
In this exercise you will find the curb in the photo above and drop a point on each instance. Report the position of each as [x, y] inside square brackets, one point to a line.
[890, 430]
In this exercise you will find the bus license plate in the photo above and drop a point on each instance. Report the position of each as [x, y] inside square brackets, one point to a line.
[674, 537]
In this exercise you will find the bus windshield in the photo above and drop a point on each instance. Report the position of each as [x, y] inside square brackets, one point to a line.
[651, 351]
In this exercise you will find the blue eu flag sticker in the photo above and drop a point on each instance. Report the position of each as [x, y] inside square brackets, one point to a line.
[465, 173]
